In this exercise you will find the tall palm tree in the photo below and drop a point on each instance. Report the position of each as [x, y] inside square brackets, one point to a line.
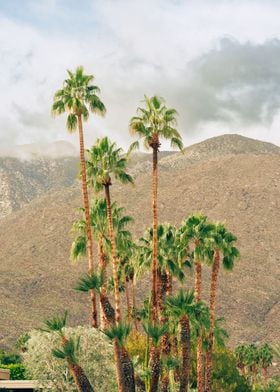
[183, 307]
[193, 234]
[78, 96]
[222, 243]
[265, 359]
[68, 352]
[105, 161]
[99, 225]
[154, 122]
[167, 267]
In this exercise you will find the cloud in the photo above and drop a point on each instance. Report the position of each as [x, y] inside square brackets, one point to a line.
[220, 72]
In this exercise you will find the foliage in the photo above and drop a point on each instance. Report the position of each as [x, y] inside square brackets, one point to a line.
[9, 358]
[272, 386]
[17, 371]
[95, 355]
[225, 374]
[136, 345]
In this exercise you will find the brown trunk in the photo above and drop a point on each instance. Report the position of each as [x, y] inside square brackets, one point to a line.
[107, 310]
[155, 368]
[166, 279]
[155, 239]
[213, 294]
[140, 385]
[199, 367]
[243, 371]
[128, 381]
[80, 378]
[265, 375]
[102, 264]
[87, 218]
[255, 374]
[186, 347]
[175, 354]
[114, 254]
[127, 301]
[117, 349]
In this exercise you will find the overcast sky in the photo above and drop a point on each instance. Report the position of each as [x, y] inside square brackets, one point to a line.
[216, 61]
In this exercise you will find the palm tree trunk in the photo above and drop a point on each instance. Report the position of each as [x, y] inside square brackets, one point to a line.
[199, 367]
[114, 254]
[77, 372]
[155, 367]
[81, 380]
[213, 294]
[87, 218]
[102, 264]
[127, 300]
[265, 375]
[155, 224]
[128, 380]
[186, 348]
[165, 340]
[107, 310]
[118, 353]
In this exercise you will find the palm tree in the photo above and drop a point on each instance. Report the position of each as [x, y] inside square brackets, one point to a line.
[96, 282]
[167, 268]
[193, 235]
[265, 359]
[222, 243]
[240, 355]
[68, 352]
[99, 225]
[152, 123]
[78, 97]
[105, 161]
[252, 360]
[184, 308]
[118, 334]
[155, 333]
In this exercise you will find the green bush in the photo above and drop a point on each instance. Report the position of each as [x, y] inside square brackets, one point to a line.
[136, 345]
[272, 386]
[9, 358]
[17, 371]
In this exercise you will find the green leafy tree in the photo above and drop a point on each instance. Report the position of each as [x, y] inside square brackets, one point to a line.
[78, 97]
[154, 122]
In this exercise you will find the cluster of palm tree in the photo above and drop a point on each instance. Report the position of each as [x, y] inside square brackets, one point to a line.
[252, 358]
[173, 318]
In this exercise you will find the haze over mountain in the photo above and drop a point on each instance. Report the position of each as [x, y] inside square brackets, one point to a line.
[230, 178]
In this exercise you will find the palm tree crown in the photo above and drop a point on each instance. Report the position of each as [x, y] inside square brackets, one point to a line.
[105, 160]
[155, 121]
[77, 97]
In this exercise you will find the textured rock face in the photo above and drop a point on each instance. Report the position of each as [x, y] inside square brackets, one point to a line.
[23, 180]
[229, 178]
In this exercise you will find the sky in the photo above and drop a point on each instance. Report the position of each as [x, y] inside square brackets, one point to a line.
[216, 61]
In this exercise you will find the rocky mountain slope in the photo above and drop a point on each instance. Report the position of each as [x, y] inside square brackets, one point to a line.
[230, 178]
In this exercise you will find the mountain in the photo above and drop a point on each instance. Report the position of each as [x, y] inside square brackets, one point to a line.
[230, 178]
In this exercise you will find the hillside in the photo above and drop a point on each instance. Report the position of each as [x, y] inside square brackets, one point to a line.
[230, 178]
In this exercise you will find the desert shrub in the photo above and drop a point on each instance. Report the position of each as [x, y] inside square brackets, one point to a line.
[17, 371]
[95, 356]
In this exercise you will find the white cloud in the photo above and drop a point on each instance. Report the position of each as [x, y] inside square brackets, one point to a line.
[171, 48]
